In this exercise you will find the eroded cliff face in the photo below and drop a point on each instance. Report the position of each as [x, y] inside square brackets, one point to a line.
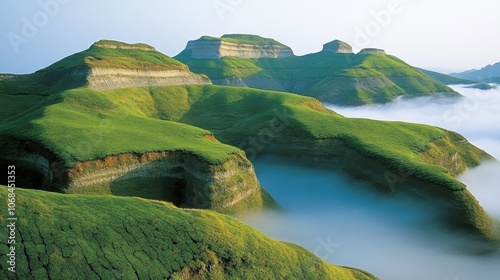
[229, 187]
[215, 49]
[112, 78]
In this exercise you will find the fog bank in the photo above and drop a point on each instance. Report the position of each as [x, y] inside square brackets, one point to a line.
[340, 221]
[476, 116]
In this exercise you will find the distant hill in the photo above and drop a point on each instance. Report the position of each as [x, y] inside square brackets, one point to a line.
[489, 74]
[447, 79]
[334, 75]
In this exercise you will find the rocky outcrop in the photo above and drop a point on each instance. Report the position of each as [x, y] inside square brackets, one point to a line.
[337, 46]
[215, 48]
[229, 187]
[372, 51]
[110, 78]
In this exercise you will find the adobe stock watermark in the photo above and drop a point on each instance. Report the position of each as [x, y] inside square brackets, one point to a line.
[222, 7]
[465, 108]
[375, 26]
[395, 178]
[30, 26]
[254, 145]
[326, 247]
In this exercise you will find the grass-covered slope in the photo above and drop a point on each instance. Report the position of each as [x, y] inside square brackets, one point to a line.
[340, 78]
[393, 156]
[113, 54]
[447, 79]
[234, 114]
[83, 124]
[103, 237]
[375, 78]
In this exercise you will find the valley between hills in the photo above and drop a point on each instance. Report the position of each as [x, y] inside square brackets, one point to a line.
[132, 164]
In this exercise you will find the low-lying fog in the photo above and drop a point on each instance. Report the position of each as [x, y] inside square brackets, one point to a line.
[476, 116]
[394, 238]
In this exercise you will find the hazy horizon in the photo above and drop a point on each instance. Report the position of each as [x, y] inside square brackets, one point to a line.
[446, 36]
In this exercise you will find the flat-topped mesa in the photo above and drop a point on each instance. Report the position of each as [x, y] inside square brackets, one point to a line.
[337, 46]
[110, 44]
[244, 46]
[109, 65]
[372, 51]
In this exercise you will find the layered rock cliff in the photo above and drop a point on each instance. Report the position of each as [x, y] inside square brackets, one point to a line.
[108, 65]
[333, 75]
[237, 46]
[112, 78]
[228, 187]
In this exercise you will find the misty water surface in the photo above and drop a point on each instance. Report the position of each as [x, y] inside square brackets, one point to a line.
[341, 221]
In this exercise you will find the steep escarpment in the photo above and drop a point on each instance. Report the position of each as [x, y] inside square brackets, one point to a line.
[179, 177]
[334, 75]
[109, 78]
[228, 187]
[244, 46]
[105, 237]
[109, 65]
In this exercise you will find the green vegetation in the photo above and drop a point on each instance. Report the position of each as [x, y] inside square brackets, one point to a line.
[83, 124]
[100, 55]
[339, 78]
[105, 237]
[446, 79]
[77, 124]
[243, 39]
[481, 86]
[234, 114]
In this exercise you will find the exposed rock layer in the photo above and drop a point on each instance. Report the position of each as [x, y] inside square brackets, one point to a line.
[228, 187]
[215, 49]
[107, 79]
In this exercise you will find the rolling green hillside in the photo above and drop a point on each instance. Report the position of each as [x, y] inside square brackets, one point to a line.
[184, 144]
[103, 237]
[447, 79]
[339, 78]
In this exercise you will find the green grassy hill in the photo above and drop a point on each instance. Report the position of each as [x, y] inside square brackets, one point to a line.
[191, 137]
[113, 54]
[447, 79]
[103, 237]
[339, 78]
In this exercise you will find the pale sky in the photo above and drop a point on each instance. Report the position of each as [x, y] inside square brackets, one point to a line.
[441, 35]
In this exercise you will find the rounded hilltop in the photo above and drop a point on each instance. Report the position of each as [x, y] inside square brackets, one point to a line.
[337, 46]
